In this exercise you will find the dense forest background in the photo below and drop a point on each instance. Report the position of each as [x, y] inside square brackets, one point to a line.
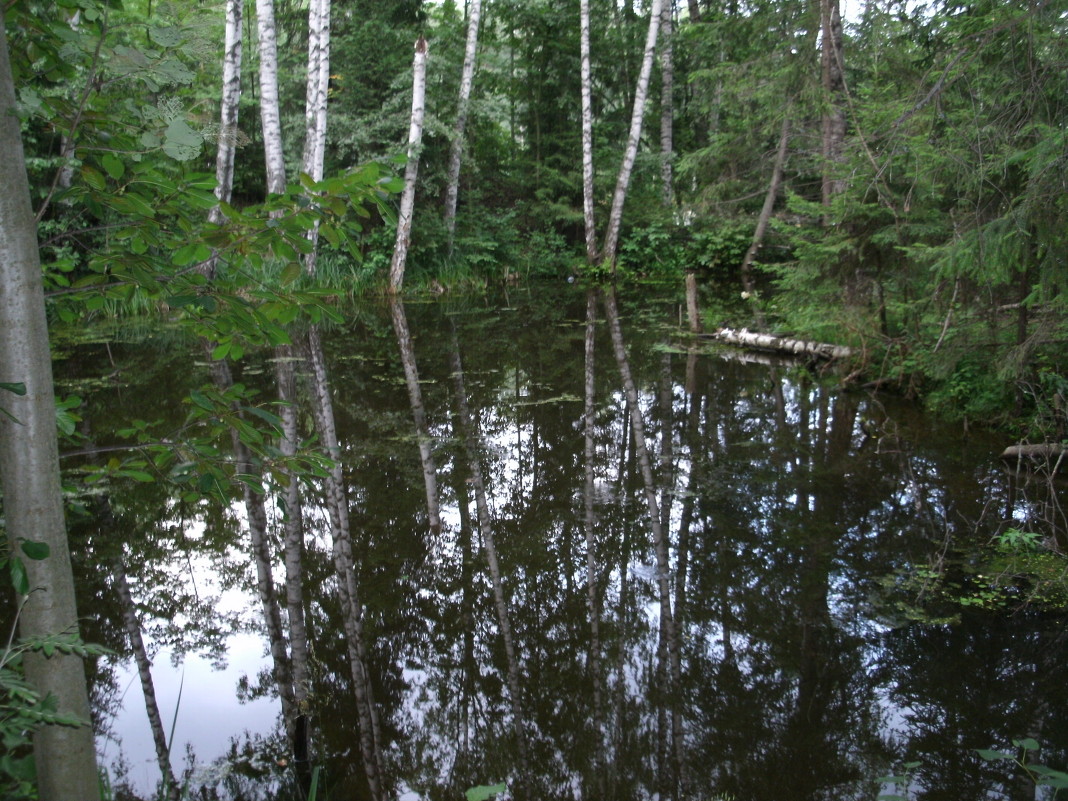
[897, 177]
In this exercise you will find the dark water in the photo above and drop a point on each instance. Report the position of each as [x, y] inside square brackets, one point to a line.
[836, 605]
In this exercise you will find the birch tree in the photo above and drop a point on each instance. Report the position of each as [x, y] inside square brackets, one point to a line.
[587, 133]
[452, 183]
[144, 671]
[344, 565]
[228, 112]
[415, 398]
[226, 149]
[315, 105]
[270, 117]
[411, 170]
[468, 433]
[641, 93]
[29, 472]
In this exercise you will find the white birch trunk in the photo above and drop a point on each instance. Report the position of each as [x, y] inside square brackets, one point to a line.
[452, 184]
[231, 98]
[315, 108]
[785, 345]
[587, 133]
[641, 94]
[344, 565]
[29, 472]
[593, 600]
[468, 433]
[411, 171]
[270, 117]
[148, 687]
[225, 153]
[415, 398]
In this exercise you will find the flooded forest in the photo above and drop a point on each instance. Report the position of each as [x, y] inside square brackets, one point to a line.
[412, 400]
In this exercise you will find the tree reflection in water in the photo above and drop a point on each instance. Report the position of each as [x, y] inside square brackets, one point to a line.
[771, 647]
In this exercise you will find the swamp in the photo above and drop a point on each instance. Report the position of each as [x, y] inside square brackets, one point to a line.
[838, 584]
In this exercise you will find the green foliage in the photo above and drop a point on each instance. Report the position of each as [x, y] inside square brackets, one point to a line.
[1027, 749]
[22, 708]
[485, 792]
[1016, 569]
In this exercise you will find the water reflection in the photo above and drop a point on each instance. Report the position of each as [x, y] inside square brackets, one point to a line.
[562, 548]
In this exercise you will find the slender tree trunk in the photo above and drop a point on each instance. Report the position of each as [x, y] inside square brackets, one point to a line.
[660, 541]
[769, 205]
[641, 93]
[293, 521]
[834, 121]
[469, 436]
[316, 91]
[667, 104]
[352, 610]
[228, 110]
[256, 512]
[144, 671]
[695, 10]
[415, 398]
[29, 473]
[587, 134]
[270, 117]
[452, 181]
[411, 170]
[226, 148]
[693, 313]
[593, 600]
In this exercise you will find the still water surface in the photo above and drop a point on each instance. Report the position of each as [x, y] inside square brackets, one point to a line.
[797, 634]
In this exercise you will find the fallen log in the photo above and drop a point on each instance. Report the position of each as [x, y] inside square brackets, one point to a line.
[1042, 451]
[785, 345]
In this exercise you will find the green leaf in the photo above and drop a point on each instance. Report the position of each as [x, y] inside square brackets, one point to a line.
[181, 142]
[993, 756]
[19, 579]
[113, 166]
[169, 36]
[93, 177]
[35, 550]
[17, 388]
[1027, 744]
[485, 792]
[201, 400]
[290, 273]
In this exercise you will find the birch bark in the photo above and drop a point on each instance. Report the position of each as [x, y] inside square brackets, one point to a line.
[415, 398]
[315, 105]
[293, 523]
[660, 536]
[452, 183]
[228, 112]
[144, 671]
[344, 565]
[270, 117]
[469, 437]
[641, 93]
[587, 133]
[29, 471]
[593, 601]
[411, 170]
